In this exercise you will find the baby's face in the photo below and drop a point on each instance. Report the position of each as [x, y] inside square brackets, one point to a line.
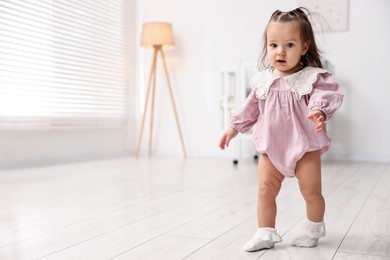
[285, 47]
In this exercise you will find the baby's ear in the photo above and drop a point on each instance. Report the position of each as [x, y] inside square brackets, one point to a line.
[305, 48]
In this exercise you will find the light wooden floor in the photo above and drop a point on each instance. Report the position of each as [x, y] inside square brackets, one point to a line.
[169, 208]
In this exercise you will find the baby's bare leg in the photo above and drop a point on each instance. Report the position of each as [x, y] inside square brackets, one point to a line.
[308, 172]
[270, 181]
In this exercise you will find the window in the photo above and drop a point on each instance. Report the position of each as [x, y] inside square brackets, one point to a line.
[63, 63]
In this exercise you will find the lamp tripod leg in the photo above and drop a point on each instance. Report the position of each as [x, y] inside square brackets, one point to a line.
[151, 75]
[173, 103]
[152, 110]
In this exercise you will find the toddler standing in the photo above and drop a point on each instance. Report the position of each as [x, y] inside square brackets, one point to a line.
[289, 105]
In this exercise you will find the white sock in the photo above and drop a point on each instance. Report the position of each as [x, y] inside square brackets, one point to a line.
[264, 238]
[312, 232]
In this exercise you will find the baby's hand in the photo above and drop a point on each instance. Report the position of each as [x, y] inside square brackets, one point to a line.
[318, 118]
[226, 137]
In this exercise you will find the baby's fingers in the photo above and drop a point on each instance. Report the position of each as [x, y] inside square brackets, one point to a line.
[318, 118]
[224, 142]
[320, 126]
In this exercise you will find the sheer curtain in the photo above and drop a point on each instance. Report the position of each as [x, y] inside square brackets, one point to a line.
[63, 63]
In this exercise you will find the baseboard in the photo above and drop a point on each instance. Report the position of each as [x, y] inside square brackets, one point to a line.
[63, 160]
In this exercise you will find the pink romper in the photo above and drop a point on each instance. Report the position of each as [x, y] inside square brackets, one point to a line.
[278, 106]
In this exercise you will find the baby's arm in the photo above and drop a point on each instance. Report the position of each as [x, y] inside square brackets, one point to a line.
[243, 120]
[226, 137]
[325, 98]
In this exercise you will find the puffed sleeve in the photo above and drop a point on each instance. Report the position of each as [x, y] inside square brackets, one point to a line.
[326, 95]
[248, 115]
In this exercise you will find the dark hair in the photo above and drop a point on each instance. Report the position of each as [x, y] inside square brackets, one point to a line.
[300, 15]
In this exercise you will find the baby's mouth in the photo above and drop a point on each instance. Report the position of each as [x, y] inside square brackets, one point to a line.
[280, 61]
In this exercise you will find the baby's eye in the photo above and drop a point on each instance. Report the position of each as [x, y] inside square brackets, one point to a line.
[290, 45]
[273, 45]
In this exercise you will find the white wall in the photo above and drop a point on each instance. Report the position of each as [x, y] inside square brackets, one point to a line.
[210, 34]
[361, 128]
[28, 147]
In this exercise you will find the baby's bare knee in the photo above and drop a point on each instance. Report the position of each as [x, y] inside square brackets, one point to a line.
[268, 190]
[312, 196]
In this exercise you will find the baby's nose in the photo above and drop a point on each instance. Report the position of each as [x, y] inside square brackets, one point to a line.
[281, 52]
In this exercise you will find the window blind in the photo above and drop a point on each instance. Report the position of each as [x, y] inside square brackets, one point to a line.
[63, 63]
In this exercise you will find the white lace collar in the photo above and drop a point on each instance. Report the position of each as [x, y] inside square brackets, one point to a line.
[300, 83]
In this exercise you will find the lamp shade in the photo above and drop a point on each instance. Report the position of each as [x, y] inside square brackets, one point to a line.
[157, 33]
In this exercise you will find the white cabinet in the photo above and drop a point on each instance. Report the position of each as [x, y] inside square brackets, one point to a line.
[235, 88]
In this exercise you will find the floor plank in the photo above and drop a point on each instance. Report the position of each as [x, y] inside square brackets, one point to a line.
[352, 256]
[370, 232]
[169, 208]
[163, 247]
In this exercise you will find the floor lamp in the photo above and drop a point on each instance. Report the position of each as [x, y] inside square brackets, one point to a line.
[157, 35]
